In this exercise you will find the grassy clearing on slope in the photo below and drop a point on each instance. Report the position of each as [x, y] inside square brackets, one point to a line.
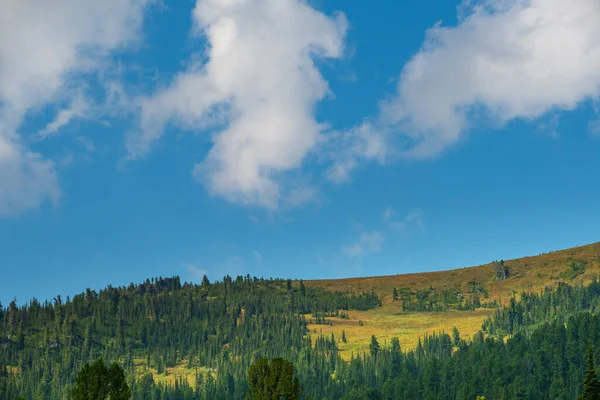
[408, 327]
[180, 371]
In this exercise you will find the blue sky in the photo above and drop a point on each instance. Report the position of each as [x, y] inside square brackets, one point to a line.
[284, 138]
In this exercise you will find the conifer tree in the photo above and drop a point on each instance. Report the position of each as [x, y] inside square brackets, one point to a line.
[12, 316]
[591, 386]
[455, 336]
[99, 382]
[374, 346]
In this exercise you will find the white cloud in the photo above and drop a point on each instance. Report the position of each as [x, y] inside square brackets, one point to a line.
[46, 49]
[77, 109]
[259, 88]
[196, 271]
[347, 149]
[513, 59]
[414, 218]
[368, 242]
[25, 178]
[372, 242]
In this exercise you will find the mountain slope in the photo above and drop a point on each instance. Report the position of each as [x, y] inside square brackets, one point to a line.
[196, 341]
[528, 274]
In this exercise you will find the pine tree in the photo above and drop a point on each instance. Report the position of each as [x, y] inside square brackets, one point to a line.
[591, 385]
[455, 336]
[99, 382]
[205, 281]
[374, 346]
[117, 386]
[12, 316]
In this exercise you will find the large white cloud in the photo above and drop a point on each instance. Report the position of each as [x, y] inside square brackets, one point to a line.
[506, 60]
[46, 49]
[259, 86]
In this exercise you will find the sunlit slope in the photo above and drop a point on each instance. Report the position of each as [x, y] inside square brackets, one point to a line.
[525, 274]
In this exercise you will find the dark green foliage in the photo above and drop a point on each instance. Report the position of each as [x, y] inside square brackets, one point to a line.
[12, 316]
[99, 382]
[273, 380]
[533, 309]
[205, 281]
[448, 299]
[591, 385]
[374, 346]
[575, 268]
[218, 330]
[455, 336]
[219, 327]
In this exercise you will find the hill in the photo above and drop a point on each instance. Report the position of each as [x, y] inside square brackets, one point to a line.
[197, 340]
[528, 274]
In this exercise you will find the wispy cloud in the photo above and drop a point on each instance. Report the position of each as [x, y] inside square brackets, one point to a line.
[196, 271]
[77, 109]
[347, 149]
[258, 257]
[368, 242]
[88, 143]
[372, 242]
[387, 214]
[413, 219]
[594, 127]
[54, 46]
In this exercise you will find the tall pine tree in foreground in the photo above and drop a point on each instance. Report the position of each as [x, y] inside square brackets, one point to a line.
[591, 385]
[100, 382]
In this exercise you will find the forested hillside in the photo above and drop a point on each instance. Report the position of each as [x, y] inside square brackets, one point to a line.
[208, 333]
[197, 341]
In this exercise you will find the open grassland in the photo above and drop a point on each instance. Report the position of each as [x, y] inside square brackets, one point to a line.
[528, 274]
[408, 327]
